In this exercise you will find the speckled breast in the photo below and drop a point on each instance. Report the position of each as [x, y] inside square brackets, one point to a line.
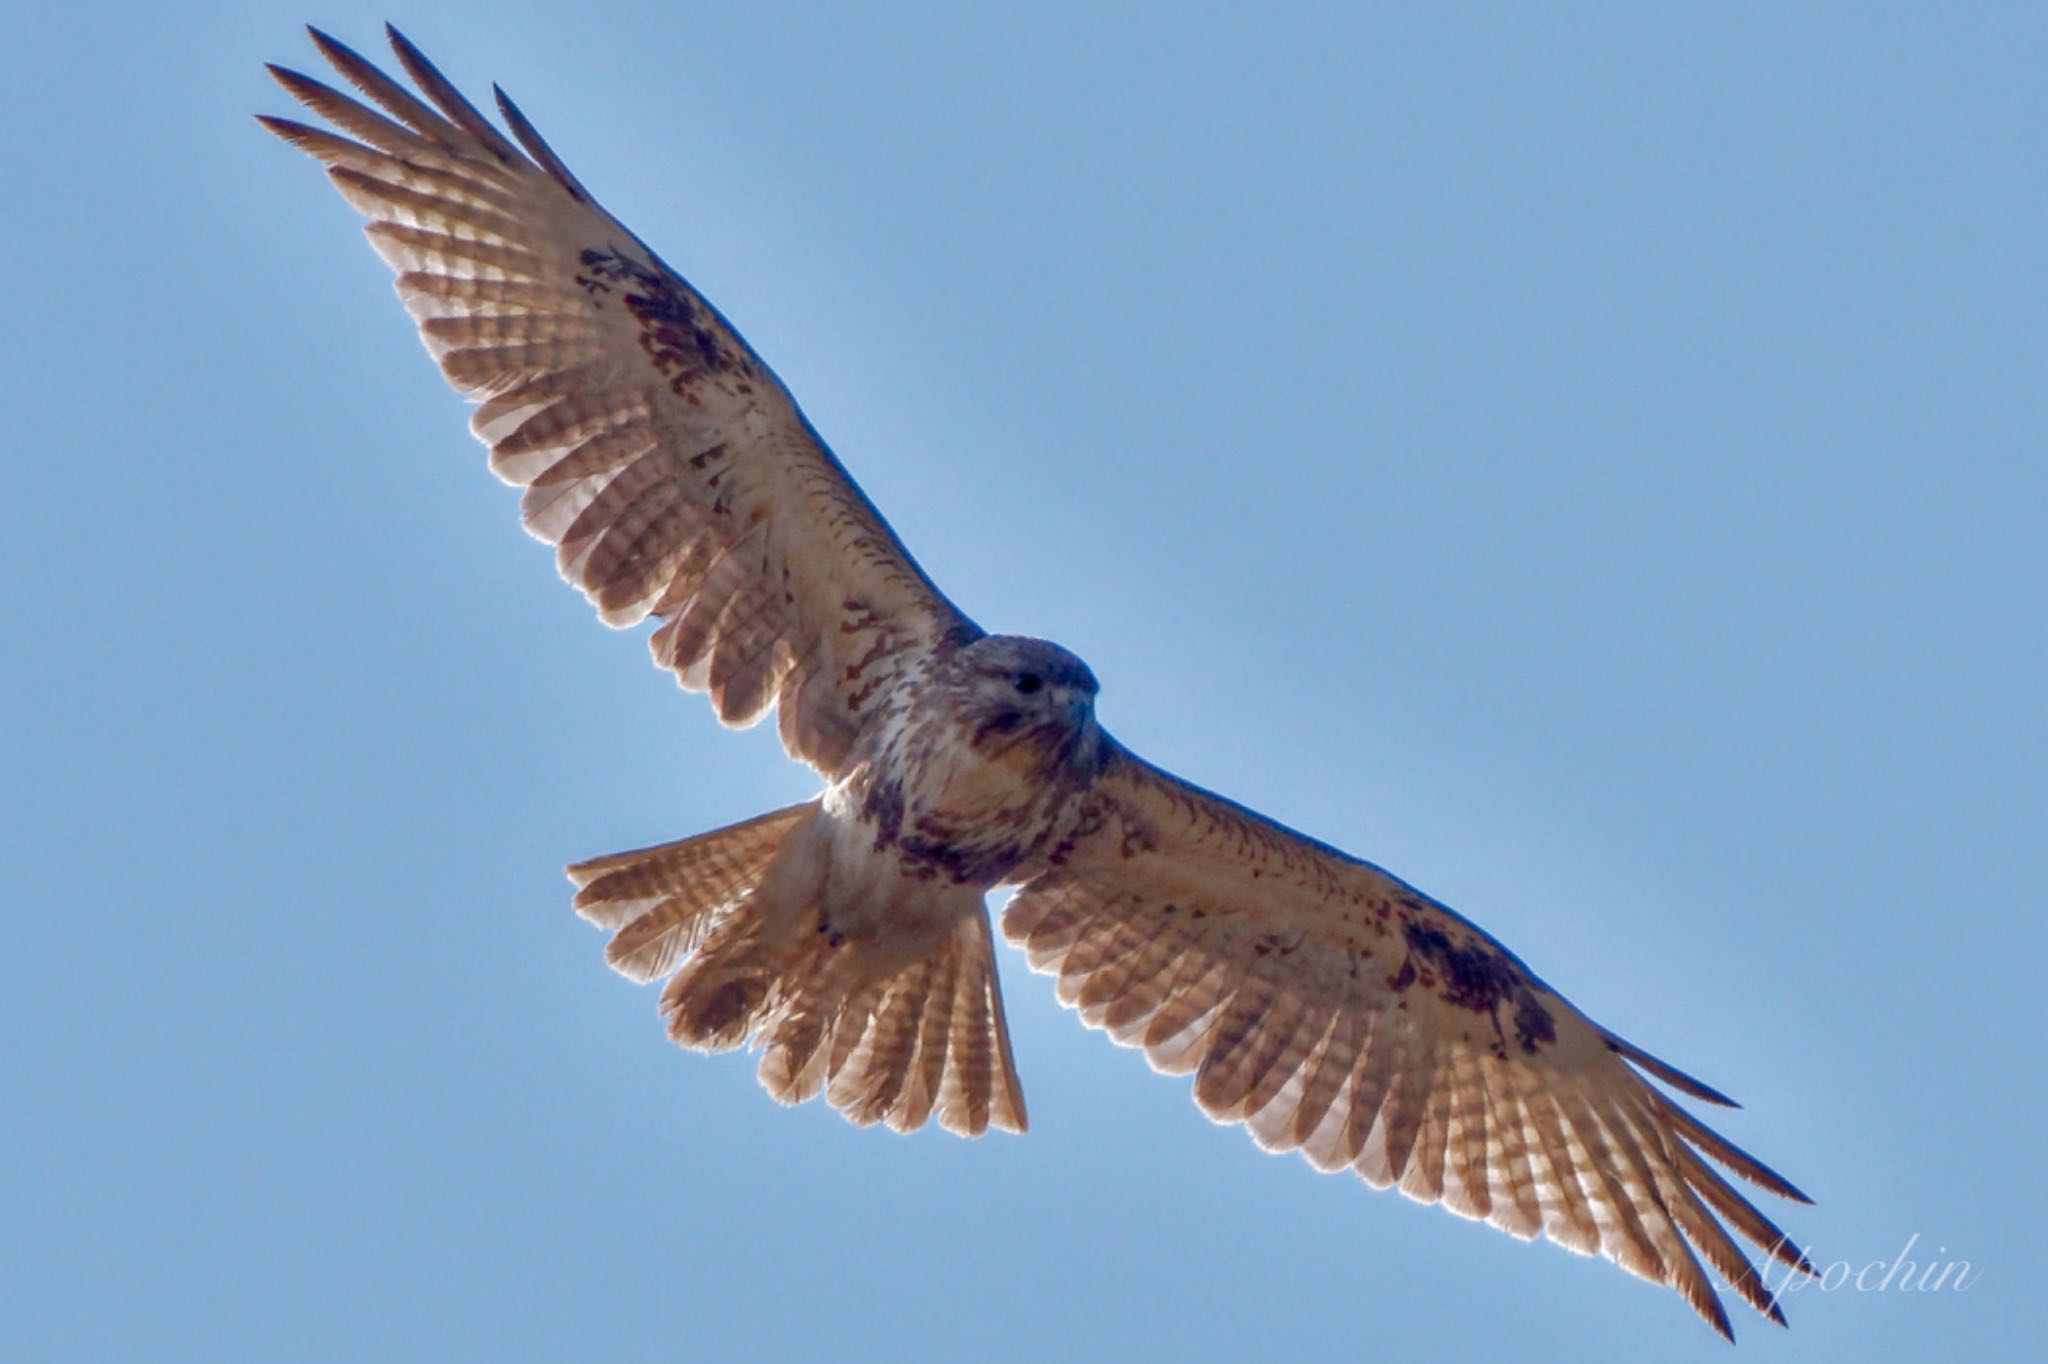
[949, 808]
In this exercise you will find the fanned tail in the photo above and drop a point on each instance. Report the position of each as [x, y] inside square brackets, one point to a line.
[896, 1030]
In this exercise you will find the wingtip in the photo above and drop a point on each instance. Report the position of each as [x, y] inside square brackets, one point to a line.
[1707, 1094]
[344, 58]
[290, 130]
[1665, 1071]
[1710, 1309]
[296, 82]
[537, 146]
[402, 45]
[327, 42]
[1785, 1188]
[506, 107]
[1797, 1259]
[300, 86]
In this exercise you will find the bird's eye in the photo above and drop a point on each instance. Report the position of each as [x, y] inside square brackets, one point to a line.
[1027, 683]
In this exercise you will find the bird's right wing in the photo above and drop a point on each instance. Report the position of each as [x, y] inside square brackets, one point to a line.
[667, 464]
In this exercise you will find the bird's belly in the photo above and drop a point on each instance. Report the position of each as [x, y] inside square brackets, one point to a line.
[871, 894]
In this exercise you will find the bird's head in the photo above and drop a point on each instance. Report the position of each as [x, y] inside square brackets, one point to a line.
[1028, 692]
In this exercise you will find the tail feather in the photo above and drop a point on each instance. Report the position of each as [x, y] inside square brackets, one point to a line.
[886, 1034]
[662, 901]
[980, 1085]
[899, 1049]
[714, 1002]
[870, 1086]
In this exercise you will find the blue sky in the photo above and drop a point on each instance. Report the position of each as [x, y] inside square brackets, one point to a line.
[1590, 462]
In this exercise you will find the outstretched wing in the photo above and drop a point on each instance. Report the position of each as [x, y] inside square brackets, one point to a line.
[667, 464]
[1334, 1009]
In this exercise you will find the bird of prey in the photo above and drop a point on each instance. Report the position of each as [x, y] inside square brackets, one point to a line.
[1326, 1005]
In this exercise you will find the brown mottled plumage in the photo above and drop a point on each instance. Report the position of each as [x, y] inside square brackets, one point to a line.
[1315, 998]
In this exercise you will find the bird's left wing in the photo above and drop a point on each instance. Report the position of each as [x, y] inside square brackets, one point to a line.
[665, 462]
[1335, 1009]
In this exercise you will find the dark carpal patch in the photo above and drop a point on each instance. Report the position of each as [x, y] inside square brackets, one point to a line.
[1480, 978]
[673, 328]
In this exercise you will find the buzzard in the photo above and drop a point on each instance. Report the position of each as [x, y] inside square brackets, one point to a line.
[1326, 1005]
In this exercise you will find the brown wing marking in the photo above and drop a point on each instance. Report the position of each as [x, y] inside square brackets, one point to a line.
[1336, 1010]
[664, 461]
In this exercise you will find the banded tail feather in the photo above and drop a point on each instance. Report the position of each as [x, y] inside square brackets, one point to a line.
[735, 921]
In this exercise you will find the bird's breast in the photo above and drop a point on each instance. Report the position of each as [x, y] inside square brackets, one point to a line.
[952, 807]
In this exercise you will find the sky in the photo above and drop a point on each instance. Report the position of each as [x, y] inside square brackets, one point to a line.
[1587, 459]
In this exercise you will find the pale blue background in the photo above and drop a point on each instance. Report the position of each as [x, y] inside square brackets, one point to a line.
[1589, 461]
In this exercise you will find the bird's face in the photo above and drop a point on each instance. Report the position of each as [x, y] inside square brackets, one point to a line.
[1029, 695]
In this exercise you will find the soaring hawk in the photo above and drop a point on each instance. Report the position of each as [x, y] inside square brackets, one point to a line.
[1328, 1006]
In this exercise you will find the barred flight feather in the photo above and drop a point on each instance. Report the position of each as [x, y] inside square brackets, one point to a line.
[1336, 1011]
[660, 455]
